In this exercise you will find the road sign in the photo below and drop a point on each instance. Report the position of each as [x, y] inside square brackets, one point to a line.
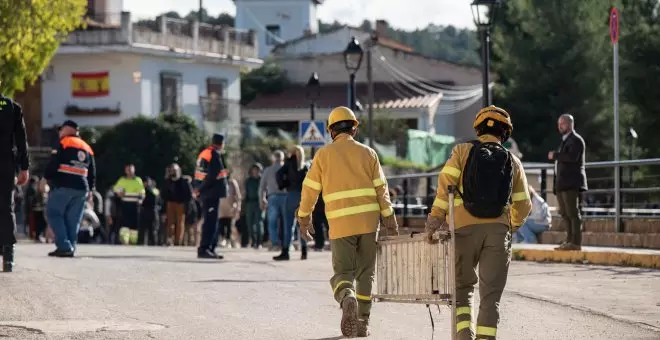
[614, 25]
[311, 132]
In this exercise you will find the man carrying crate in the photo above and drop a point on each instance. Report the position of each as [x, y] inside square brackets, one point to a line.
[356, 196]
[492, 200]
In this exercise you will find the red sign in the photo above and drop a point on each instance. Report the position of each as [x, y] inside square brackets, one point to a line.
[614, 25]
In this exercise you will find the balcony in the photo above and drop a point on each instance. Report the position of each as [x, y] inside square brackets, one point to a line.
[190, 36]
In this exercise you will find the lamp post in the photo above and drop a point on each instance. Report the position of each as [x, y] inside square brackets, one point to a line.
[483, 12]
[633, 139]
[352, 60]
[313, 93]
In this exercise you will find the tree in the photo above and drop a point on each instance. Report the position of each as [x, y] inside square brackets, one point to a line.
[551, 57]
[150, 144]
[269, 78]
[31, 34]
[639, 73]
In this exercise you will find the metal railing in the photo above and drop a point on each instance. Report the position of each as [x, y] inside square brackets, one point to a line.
[405, 207]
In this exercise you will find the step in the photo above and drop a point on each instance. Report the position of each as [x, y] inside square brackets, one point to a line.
[627, 240]
[609, 256]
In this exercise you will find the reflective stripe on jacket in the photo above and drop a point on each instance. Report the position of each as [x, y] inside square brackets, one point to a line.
[353, 184]
[452, 174]
[72, 165]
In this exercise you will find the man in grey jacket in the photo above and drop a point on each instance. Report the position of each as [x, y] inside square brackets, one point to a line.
[273, 199]
[570, 180]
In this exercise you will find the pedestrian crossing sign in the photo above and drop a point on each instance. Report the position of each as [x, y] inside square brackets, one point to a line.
[312, 133]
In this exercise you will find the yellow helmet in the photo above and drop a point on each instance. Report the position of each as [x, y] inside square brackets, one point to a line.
[493, 113]
[341, 113]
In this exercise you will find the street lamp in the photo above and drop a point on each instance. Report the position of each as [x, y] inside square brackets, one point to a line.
[633, 139]
[352, 59]
[483, 12]
[313, 93]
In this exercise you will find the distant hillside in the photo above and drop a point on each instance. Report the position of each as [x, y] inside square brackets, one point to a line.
[441, 42]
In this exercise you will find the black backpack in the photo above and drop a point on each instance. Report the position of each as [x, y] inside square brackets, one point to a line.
[487, 180]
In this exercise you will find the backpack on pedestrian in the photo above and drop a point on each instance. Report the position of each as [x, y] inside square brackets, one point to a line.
[487, 180]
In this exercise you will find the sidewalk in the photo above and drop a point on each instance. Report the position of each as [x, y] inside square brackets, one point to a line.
[609, 256]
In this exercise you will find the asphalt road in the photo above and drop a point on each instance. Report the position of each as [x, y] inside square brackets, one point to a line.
[116, 292]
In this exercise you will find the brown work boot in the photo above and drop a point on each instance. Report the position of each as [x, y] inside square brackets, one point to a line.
[363, 328]
[568, 246]
[349, 321]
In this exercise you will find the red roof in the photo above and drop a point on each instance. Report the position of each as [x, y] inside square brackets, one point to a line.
[332, 95]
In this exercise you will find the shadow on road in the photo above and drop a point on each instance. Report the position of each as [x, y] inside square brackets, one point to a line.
[252, 281]
[335, 338]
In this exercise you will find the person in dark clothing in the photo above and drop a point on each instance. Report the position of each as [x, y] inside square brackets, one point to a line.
[320, 224]
[211, 186]
[149, 213]
[30, 191]
[193, 217]
[71, 173]
[253, 213]
[177, 193]
[13, 157]
[38, 202]
[291, 177]
[570, 180]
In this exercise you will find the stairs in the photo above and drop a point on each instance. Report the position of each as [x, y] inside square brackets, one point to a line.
[638, 233]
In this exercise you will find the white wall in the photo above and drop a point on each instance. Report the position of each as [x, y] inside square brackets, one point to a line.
[56, 88]
[293, 17]
[194, 77]
[333, 42]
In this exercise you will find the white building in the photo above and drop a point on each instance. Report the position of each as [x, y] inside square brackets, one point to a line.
[277, 21]
[109, 73]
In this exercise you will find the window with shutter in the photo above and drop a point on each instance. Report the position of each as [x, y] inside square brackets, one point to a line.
[170, 92]
[216, 104]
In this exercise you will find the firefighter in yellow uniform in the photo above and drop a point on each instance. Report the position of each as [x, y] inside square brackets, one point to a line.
[483, 228]
[355, 193]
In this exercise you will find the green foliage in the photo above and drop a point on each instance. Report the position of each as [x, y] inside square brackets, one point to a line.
[223, 19]
[552, 57]
[269, 78]
[403, 164]
[31, 34]
[150, 144]
[441, 42]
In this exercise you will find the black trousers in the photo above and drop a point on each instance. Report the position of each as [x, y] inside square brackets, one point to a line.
[148, 223]
[130, 215]
[320, 225]
[7, 216]
[210, 226]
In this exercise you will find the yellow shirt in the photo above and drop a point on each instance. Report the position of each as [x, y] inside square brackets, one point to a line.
[452, 174]
[353, 185]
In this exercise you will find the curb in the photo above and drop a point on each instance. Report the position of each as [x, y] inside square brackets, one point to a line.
[607, 258]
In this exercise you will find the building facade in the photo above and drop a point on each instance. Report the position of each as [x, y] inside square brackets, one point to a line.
[109, 73]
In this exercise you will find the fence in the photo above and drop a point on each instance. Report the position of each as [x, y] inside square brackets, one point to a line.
[412, 204]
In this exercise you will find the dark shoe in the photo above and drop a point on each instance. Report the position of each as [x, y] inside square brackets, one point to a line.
[217, 256]
[8, 258]
[363, 328]
[282, 257]
[303, 255]
[61, 253]
[349, 321]
[209, 255]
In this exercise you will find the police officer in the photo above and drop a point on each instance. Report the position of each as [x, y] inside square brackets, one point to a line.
[13, 157]
[356, 197]
[211, 186]
[72, 175]
[483, 241]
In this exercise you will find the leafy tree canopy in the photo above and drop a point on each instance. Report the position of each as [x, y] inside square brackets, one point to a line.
[31, 34]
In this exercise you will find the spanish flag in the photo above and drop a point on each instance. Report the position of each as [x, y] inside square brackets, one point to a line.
[95, 84]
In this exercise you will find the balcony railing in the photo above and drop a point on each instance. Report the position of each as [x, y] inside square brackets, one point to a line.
[189, 36]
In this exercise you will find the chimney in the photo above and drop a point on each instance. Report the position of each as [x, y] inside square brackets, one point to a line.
[381, 28]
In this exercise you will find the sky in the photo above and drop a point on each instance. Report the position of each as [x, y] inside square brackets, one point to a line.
[398, 13]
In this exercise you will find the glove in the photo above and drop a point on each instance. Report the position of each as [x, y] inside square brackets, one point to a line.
[390, 225]
[306, 227]
[433, 224]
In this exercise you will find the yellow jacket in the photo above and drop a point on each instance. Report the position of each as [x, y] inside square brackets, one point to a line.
[451, 174]
[353, 185]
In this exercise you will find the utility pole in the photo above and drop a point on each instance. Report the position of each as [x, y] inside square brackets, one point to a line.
[199, 14]
[370, 89]
[614, 36]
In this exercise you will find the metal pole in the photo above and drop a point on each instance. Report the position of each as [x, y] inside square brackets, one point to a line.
[352, 91]
[199, 15]
[312, 114]
[485, 54]
[544, 184]
[370, 94]
[617, 168]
